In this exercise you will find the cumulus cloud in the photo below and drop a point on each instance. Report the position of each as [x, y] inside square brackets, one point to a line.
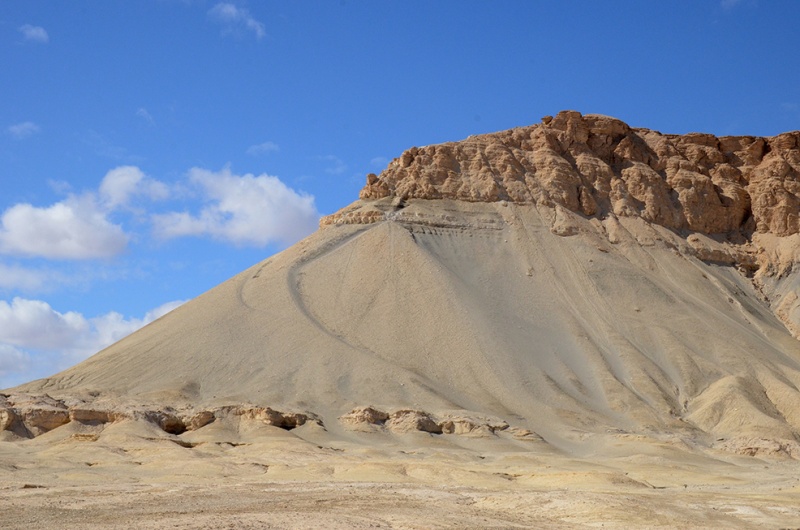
[79, 227]
[76, 228]
[235, 19]
[244, 210]
[23, 130]
[263, 149]
[124, 182]
[34, 34]
[34, 324]
[32, 330]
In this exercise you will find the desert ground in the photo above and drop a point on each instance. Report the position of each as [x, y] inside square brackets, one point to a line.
[285, 479]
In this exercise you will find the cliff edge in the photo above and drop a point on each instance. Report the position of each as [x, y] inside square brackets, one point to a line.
[596, 165]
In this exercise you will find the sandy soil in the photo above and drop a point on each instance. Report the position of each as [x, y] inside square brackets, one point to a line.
[291, 480]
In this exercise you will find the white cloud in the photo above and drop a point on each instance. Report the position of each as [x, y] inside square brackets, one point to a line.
[235, 18]
[79, 226]
[23, 130]
[244, 210]
[34, 34]
[34, 324]
[33, 330]
[263, 149]
[76, 228]
[146, 116]
[124, 182]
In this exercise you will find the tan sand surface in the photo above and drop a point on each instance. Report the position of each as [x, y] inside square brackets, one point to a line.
[283, 481]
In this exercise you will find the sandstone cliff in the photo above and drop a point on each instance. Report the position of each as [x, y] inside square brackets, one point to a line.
[598, 165]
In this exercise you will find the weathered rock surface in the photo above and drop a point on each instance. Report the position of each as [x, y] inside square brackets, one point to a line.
[364, 418]
[403, 421]
[7, 418]
[598, 165]
[473, 426]
[370, 419]
[33, 415]
[268, 416]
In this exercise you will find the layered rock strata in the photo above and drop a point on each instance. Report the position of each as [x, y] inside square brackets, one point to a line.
[597, 165]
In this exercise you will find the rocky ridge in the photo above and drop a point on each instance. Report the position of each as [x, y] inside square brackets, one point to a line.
[596, 165]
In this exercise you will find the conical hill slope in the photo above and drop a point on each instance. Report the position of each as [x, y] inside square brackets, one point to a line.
[576, 276]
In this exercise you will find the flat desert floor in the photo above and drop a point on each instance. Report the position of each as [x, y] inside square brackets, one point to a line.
[282, 479]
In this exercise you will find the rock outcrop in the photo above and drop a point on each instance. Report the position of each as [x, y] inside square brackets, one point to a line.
[596, 165]
[29, 416]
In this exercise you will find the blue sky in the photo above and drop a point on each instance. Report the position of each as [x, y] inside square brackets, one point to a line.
[150, 150]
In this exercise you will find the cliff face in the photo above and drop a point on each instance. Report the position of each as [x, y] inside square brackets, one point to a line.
[596, 165]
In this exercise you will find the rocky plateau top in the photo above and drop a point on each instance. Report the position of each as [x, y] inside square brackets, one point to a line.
[595, 165]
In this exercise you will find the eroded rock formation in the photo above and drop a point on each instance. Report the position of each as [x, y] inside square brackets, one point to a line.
[597, 165]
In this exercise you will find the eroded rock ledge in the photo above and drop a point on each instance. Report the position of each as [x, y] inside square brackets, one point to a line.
[596, 165]
[370, 419]
[29, 416]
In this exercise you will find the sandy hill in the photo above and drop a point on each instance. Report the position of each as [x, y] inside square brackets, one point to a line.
[572, 286]
[574, 275]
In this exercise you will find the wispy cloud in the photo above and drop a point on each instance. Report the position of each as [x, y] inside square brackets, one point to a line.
[236, 19]
[23, 130]
[34, 34]
[146, 116]
[243, 210]
[263, 149]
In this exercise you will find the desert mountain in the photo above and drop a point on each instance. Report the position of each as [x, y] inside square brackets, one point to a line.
[547, 284]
